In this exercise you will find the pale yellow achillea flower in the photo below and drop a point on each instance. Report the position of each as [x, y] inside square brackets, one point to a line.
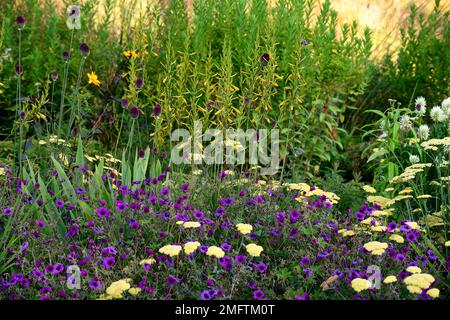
[421, 280]
[413, 225]
[369, 189]
[191, 224]
[147, 261]
[171, 250]
[414, 269]
[215, 251]
[397, 238]
[254, 250]
[191, 246]
[359, 284]
[134, 291]
[244, 228]
[424, 196]
[377, 252]
[390, 279]
[378, 228]
[346, 233]
[116, 288]
[375, 245]
[447, 244]
[434, 293]
[414, 289]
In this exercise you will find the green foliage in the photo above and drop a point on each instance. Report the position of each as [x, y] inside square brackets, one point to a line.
[420, 67]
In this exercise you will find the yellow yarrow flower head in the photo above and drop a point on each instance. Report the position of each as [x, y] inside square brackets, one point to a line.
[414, 269]
[390, 279]
[116, 288]
[254, 250]
[191, 224]
[134, 291]
[397, 238]
[375, 247]
[147, 261]
[171, 250]
[215, 252]
[421, 280]
[369, 189]
[191, 246]
[447, 244]
[414, 289]
[434, 293]
[359, 284]
[93, 79]
[244, 228]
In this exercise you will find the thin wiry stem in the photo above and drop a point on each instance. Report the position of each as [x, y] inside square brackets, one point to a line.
[63, 91]
[19, 80]
[72, 113]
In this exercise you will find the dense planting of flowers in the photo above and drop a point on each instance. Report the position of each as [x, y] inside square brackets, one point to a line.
[95, 205]
[158, 239]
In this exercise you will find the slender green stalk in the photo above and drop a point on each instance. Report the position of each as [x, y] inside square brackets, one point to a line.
[63, 91]
[77, 102]
[19, 100]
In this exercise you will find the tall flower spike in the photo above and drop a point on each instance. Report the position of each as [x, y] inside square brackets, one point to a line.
[73, 19]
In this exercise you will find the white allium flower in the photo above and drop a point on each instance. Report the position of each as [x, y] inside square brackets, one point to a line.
[405, 123]
[446, 103]
[446, 107]
[420, 105]
[414, 159]
[437, 114]
[73, 17]
[423, 132]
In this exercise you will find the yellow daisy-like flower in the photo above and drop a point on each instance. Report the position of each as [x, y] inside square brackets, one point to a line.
[134, 291]
[130, 54]
[414, 269]
[359, 284]
[93, 79]
[191, 246]
[254, 250]
[171, 250]
[397, 238]
[390, 279]
[434, 293]
[369, 189]
[244, 228]
[215, 252]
